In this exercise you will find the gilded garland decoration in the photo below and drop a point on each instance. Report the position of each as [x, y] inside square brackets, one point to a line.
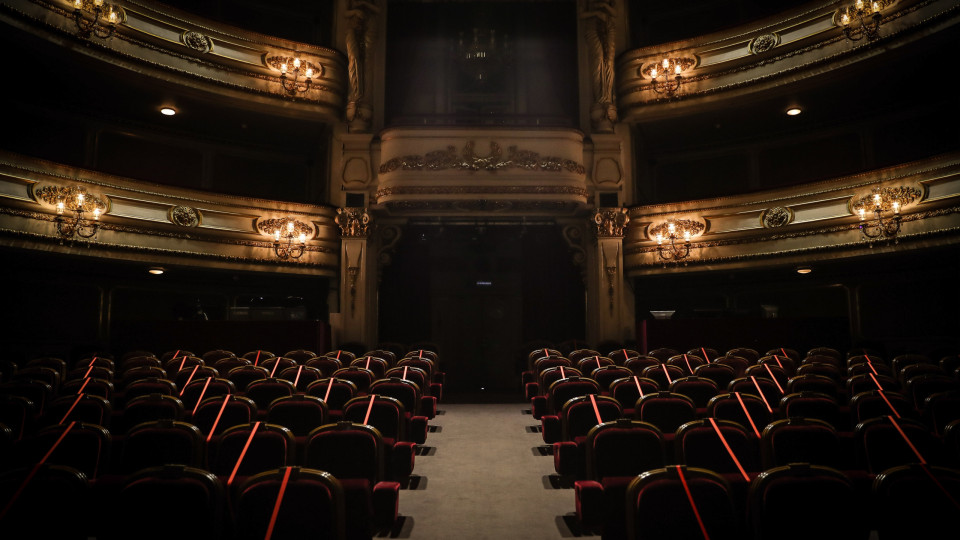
[467, 159]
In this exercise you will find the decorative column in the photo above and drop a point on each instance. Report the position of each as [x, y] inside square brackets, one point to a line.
[358, 279]
[360, 38]
[610, 312]
[599, 21]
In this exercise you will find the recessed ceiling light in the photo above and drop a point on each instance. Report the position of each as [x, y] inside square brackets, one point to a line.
[156, 270]
[793, 111]
[168, 111]
[804, 269]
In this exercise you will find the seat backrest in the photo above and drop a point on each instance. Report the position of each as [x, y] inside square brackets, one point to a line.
[623, 447]
[200, 389]
[730, 406]
[579, 414]
[874, 403]
[91, 385]
[215, 414]
[404, 391]
[666, 410]
[637, 364]
[590, 363]
[619, 356]
[919, 387]
[553, 374]
[160, 442]
[278, 363]
[751, 355]
[387, 414]
[721, 374]
[257, 356]
[767, 389]
[85, 447]
[607, 374]
[359, 375]
[781, 501]
[224, 365]
[335, 392]
[261, 446]
[151, 407]
[686, 362]
[346, 450]
[187, 375]
[629, 389]
[800, 440]
[579, 354]
[699, 389]
[564, 390]
[241, 376]
[663, 353]
[300, 355]
[378, 366]
[86, 408]
[32, 495]
[212, 356]
[299, 413]
[197, 495]
[811, 405]
[325, 364]
[658, 501]
[312, 505]
[881, 443]
[915, 501]
[301, 376]
[697, 444]
[176, 365]
[264, 391]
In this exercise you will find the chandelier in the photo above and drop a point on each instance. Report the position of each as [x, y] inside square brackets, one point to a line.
[93, 17]
[296, 75]
[673, 239]
[289, 237]
[666, 76]
[483, 55]
[879, 213]
[859, 21]
[72, 205]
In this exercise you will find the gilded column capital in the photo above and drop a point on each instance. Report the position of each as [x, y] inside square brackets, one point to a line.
[610, 222]
[354, 222]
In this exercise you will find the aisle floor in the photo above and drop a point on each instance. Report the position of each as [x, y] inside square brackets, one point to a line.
[484, 476]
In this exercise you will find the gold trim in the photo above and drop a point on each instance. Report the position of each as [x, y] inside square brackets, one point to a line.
[448, 158]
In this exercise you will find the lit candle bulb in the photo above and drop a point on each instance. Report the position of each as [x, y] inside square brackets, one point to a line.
[79, 200]
[98, 3]
[59, 207]
[283, 68]
[896, 207]
[859, 4]
[845, 19]
[659, 238]
[289, 226]
[296, 63]
[876, 7]
[666, 64]
[686, 236]
[877, 201]
[112, 17]
[77, 4]
[303, 238]
[677, 69]
[653, 72]
[276, 235]
[672, 229]
[96, 214]
[309, 73]
[860, 212]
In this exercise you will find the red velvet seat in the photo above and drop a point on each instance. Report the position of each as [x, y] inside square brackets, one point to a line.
[161, 442]
[313, 505]
[149, 408]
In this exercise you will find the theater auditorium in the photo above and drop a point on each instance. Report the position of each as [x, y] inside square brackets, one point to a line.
[480, 269]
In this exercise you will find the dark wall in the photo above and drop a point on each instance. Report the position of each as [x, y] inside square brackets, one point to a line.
[534, 83]
[67, 306]
[895, 303]
[481, 292]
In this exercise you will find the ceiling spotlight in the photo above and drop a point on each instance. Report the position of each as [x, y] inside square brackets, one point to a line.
[156, 270]
[794, 111]
[168, 111]
[804, 269]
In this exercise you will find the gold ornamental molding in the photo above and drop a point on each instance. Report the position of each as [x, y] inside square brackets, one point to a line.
[611, 222]
[270, 226]
[354, 222]
[885, 198]
[804, 42]
[157, 40]
[691, 226]
[467, 159]
[54, 195]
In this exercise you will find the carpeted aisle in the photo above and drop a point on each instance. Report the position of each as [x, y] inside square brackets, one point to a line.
[484, 479]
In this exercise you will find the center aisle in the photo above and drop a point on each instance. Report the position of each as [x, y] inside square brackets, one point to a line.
[485, 479]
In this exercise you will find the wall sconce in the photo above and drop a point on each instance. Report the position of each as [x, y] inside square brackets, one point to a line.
[885, 205]
[78, 212]
[673, 239]
[94, 17]
[289, 236]
[667, 75]
[859, 20]
[296, 75]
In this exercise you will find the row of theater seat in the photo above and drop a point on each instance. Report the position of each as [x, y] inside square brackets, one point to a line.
[735, 442]
[224, 442]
